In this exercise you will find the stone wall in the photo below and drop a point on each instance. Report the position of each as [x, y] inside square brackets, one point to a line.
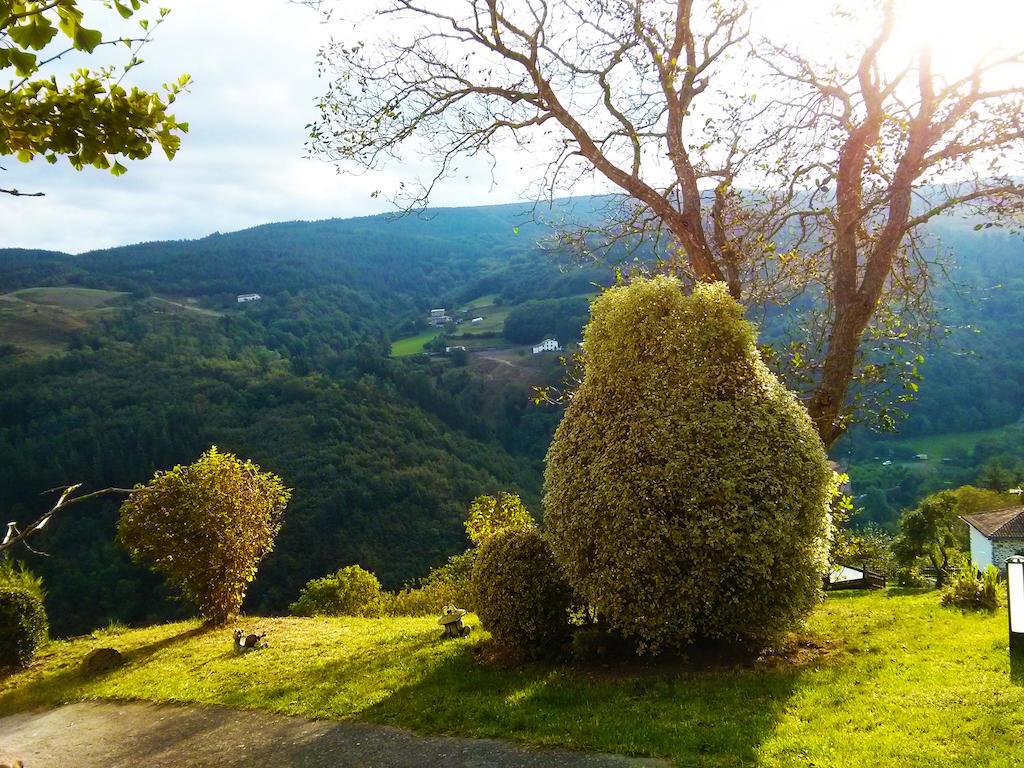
[1004, 549]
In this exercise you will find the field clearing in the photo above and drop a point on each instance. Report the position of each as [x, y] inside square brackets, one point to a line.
[69, 297]
[482, 301]
[45, 320]
[884, 678]
[493, 319]
[412, 345]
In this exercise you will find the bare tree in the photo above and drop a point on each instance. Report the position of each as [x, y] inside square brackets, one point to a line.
[820, 190]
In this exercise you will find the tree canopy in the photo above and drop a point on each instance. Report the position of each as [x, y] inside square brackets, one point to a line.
[778, 170]
[92, 118]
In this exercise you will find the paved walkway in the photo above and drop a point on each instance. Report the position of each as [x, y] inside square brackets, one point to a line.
[142, 735]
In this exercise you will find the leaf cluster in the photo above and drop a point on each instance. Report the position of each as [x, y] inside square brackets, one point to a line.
[489, 514]
[91, 118]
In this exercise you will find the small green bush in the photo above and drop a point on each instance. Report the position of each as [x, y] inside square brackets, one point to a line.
[519, 592]
[448, 584]
[969, 592]
[911, 576]
[23, 626]
[351, 591]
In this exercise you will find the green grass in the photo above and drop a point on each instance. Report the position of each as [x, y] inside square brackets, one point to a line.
[412, 345]
[886, 678]
[482, 301]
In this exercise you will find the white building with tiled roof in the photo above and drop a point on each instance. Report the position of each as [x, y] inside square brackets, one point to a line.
[996, 536]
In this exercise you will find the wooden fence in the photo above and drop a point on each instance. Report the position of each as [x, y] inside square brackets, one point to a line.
[870, 580]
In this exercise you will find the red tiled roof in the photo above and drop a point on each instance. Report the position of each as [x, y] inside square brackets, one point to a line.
[1001, 524]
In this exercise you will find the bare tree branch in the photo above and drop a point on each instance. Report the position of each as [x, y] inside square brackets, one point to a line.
[13, 536]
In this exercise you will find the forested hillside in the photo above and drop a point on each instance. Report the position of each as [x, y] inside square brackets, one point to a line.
[116, 363]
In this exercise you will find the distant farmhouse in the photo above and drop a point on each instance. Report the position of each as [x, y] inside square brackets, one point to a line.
[438, 317]
[996, 536]
[245, 298]
[548, 345]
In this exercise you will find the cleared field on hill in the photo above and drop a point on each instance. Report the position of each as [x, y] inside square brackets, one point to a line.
[44, 320]
[412, 345]
[878, 679]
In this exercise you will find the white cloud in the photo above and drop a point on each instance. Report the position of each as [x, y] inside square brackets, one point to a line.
[241, 164]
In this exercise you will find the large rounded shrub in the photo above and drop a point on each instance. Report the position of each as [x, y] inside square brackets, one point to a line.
[686, 490]
[351, 591]
[23, 626]
[520, 594]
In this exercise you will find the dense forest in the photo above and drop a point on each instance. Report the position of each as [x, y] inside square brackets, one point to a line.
[117, 363]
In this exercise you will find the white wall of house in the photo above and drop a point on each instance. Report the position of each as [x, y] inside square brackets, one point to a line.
[981, 549]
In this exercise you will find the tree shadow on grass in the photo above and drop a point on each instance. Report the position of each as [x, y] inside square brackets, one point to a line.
[716, 717]
[69, 681]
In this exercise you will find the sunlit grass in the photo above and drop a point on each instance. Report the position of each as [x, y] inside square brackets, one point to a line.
[413, 345]
[886, 678]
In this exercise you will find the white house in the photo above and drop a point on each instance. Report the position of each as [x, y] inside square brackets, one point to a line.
[245, 298]
[996, 536]
[548, 345]
[438, 318]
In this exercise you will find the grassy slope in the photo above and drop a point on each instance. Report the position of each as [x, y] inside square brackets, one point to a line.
[412, 345]
[43, 320]
[902, 682]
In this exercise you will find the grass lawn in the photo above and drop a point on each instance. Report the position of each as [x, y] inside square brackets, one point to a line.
[887, 678]
[412, 345]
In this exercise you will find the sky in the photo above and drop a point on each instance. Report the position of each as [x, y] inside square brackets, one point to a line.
[241, 163]
[255, 85]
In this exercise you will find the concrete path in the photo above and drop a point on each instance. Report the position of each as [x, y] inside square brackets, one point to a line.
[143, 735]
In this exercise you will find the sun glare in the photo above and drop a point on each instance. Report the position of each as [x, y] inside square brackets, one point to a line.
[959, 33]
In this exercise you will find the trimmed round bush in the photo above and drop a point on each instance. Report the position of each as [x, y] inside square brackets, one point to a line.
[686, 491]
[351, 591]
[519, 592]
[23, 626]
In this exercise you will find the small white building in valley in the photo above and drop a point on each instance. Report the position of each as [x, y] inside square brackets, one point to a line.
[548, 345]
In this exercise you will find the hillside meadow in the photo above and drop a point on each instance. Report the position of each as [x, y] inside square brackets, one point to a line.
[885, 678]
